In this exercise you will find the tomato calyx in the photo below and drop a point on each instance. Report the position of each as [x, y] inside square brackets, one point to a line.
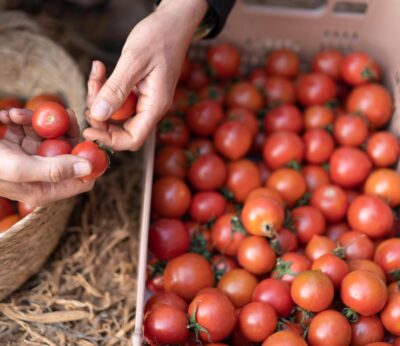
[395, 274]
[276, 246]
[350, 314]
[282, 268]
[198, 244]
[219, 272]
[294, 165]
[340, 252]
[326, 167]
[237, 226]
[197, 327]
[329, 128]
[305, 200]
[305, 320]
[284, 321]
[228, 194]
[288, 223]
[157, 268]
[332, 104]
[212, 92]
[368, 74]
[166, 126]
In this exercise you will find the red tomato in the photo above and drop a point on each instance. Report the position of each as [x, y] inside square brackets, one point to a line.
[172, 131]
[243, 177]
[315, 176]
[276, 293]
[390, 315]
[264, 171]
[171, 197]
[50, 120]
[200, 146]
[384, 183]
[256, 255]
[356, 245]
[383, 149]
[307, 221]
[128, 108]
[37, 100]
[224, 60]
[319, 146]
[366, 330]
[284, 241]
[279, 90]
[290, 265]
[284, 338]
[333, 267]
[182, 100]
[170, 161]
[155, 275]
[318, 246]
[368, 265]
[283, 63]
[358, 68]
[208, 172]
[316, 117]
[8, 221]
[387, 255]
[363, 292]
[246, 117]
[370, 215]
[315, 89]
[212, 92]
[6, 208]
[54, 147]
[246, 95]
[214, 312]
[331, 200]
[373, 101]
[329, 328]
[206, 206]
[238, 285]
[198, 77]
[187, 274]
[258, 77]
[232, 139]
[336, 230]
[312, 290]
[222, 264]
[168, 238]
[24, 209]
[165, 298]
[328, 61]
[349, 167]
[92, 152]
[10, 102]
[257, 321]
[286, 117]
[266, 192]
[258, 143]
[350, 130]
[204, 117]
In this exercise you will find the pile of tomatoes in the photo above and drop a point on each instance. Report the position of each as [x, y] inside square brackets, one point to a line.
[274, 205]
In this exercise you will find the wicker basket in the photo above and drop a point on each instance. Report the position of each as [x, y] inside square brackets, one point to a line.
[30, 64]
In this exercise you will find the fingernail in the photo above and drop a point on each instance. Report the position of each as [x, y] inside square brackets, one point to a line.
[94, 67]
[81, 169]
[100, 110]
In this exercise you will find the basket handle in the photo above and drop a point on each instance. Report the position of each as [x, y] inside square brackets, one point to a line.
[17, 20]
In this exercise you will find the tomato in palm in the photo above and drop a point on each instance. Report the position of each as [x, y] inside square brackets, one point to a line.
[224, 60]
[187, 274]
[257, 321]
[356, 245]
[316, 117]
[213, 311]
[227, 234]
[165, 298]
[10, 102]
[170, 161]
[256, 255]
[279, 90]
[281, 148]
[182, 100]
[349, 167]
[8, 221]
[384, 183]
[212, 92]
[243, 177]
[286, 117]
[308, 221]
[263, 216]
[208, 172]
[171, 197]
[232, 139]
[200, 146]
[383, 149]
[246, 95]
[238, 285]
[246, 117]
[350, 130]
[331, 200]
[284, 63]
[172, 131]
[358, 68]
[165, 325]
[276, 293]
[92, 152]
[24, 209]
[333, 267]
[373, 101]
[363, 292]
[284, 338]
[168, 238]
[128, 108]
[319, 146]
[368, 265]
[315, 89]
[387, 255]
[318, 246]
[315, 176]
[6, 208]
[329, 328]
[336, 230]
[204, 117]
[50, 120]
[370, 215]
[290, 184]
[367, 330]
[328, 61]
[290, 265]
[37, 100]
[198, 77]
[390, 315]
[284, 241]
[54, 147]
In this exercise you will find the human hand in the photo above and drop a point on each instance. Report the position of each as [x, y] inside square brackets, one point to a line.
[150, 64]
[33, 179]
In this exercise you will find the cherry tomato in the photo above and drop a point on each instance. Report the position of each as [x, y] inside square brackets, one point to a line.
[182, 100]
[316, 117]
[318, 246]
[390, 315]
[350, 130]
[276, 293]
[373, 101]
[222, 264]
[290, 265]
[92, 152]
[319, 146]
[312, 290]
[331, 200]
[208, 172]
[206, 206]
[283, 63]
[284, 338]
[54, 147]
[258, 143]
[383, 149]
[246, 117]
[24, 209]
[6, 208]
[384, 183]
[279, 90]
[315, 89]
[329, 328]
[200, 146]
[307, 221]
[168, 238]
[232, 139]
[368, 265]
[8, 221]
[204, 117]
[358, 68]
[266, 192]
[286, 117]
[258, 77]
[333, 267]
[387, 255]
[336, 230]
[224, 60]
[284, 241]
[370, 215]
[198, 77]
[187, 274]
[170, 161]
[172, 131]
[281, 148]
[171, 197]
[10, 102]
[349, 167]
[238, 285]
[128, 108]
[356, 245]
[165, 298]
[246, 95]
[363, 292]
[366, 330]
[50, 120]
[328, 61]
[34, 103]
[315, 176]
[256, 255]
[212, 92]
[257, 321]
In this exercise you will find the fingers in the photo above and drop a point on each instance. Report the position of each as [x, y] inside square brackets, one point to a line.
[115, 137]
[30, 145]
[96, 80]
[21, 116]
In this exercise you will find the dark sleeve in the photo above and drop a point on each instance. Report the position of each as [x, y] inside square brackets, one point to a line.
[219, 9]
